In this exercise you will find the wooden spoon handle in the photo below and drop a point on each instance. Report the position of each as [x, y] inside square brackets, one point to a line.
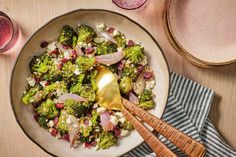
[156, 145]
[185, 143]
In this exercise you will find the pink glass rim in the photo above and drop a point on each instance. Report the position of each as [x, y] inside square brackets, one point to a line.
[128, 8]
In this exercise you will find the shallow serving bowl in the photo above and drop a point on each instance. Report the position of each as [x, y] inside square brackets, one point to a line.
[50, 31]
[202, 31]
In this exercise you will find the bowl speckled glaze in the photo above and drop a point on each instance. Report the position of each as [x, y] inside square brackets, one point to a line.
[50, 31]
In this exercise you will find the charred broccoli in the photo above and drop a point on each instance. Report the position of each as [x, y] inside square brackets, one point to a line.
[105, 48]
[57, 86]
[147, 104]
[121, 42]
[68, 36]
[125, 85]
[47, 109]
[28, 97]
[42, 122]
[134, 53]
[61, 125]
[88, 93]
[106, 140]
[85, 33]
[130, 72]
[146, 95]
[85, 63]
[75, 108]
[68, 69]
[40, 64]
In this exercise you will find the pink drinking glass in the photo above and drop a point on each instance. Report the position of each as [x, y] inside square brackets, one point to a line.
[129, 4]
[9, 33]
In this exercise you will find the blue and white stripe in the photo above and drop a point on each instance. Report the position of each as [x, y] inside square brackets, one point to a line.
[187, 109]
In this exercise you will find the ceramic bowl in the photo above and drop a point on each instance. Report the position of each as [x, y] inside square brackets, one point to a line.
[201, 31]
[49, 32]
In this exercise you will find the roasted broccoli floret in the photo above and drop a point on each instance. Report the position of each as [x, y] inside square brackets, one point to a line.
[42, 122]
[68, 36]
[57, 86]
[94, 118]
[90, 79]
[125, 85]
[88, 93]
[85, 129]
[134, 53]
[105, 48]
[68, 69]
[127, 125]
[61, 125]
[53, 74]
[85, 63]
[28, 97]
[40, 64]
[121, 42]
[85, 33]
[75, 108]
[147, 104]
[107, 140]
[146, 95]
[130, 72]
[47, 109]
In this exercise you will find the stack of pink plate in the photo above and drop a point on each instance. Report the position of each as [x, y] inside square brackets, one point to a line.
[203, 32]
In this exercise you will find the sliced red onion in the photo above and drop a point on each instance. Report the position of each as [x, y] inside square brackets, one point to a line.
[62, 48]
[121, 65]
[110, 58]
[148, 74]
[89, 50]
[75, 97]
[105, 121]
[107, 36]
[73, 132]
[139, 85]
[131, 43]
[110, 29]
[133, 98]
[79, 51]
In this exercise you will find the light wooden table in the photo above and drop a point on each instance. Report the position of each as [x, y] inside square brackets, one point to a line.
[31, 15]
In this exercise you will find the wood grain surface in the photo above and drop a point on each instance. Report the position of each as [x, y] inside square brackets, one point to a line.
[31, 15]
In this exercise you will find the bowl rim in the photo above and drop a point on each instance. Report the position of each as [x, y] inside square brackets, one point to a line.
[180, 49]
[64, 14]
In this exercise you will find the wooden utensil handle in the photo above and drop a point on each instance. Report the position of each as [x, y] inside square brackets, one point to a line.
[155, 144]
[185, 143]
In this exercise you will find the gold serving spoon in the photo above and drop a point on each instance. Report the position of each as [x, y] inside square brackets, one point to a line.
[108, 96]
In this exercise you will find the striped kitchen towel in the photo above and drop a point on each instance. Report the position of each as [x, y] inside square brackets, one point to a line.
[187, 109]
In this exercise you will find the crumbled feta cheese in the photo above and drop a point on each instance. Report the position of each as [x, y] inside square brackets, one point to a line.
[52, 46]
[119, 49]
[75, 126]
[55, 101]
[67, 55]
[100, 27]
[59, 92]
[97, 129]
[31, 81]
[96, 147]
[144, 61]
[114, 120]
[122, 120]
[31, 100]
[58, 136]
[124, 132]
[51, 123]
[89, 45]
[81, 44]
[68, 121]
[150, 84]
[115, 32]
[100, 110]
[119, 114]
[43, 83]
[99, 40]
[77, 72]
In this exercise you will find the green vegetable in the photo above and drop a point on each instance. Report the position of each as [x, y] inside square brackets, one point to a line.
[68, 36]
[106, 140]
[105, 48]
[121, 42]
[125, 85]
[134, 53]
[61, 125]
[41, 64]
[68, 69]
[86, 130]
[85, 33]
[42, 122]
[75, 108]
[94, 118]
[85, 63]
[28, 97]
[76, 87]
[88, 93]
[130, 72]
[54, 87]
[147, 104]
[53, 74]
[146, 96]
[47, 109]
[127, 125]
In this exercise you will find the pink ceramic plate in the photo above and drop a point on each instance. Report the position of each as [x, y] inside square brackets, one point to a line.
[203, 31]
